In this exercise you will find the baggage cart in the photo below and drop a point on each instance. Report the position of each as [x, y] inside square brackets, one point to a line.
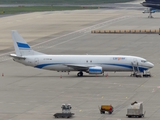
[66, 112]
[135, 110]
[106, 108]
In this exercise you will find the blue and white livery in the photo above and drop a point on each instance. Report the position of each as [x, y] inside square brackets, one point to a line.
[92, 64]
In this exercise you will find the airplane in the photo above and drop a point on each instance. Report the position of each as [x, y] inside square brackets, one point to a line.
[153, 7]
[92, 64]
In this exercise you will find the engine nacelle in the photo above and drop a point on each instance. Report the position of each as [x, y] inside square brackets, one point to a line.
[95, 70]
[150, 10]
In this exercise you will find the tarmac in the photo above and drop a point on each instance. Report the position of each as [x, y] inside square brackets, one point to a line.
[32, 94]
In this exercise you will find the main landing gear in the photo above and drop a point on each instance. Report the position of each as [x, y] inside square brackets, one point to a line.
[80, 74]
[150, 15]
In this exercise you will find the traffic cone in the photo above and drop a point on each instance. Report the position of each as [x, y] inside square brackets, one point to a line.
[96, 75]
[107, 75]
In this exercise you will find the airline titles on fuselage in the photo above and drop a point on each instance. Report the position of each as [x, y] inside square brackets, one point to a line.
[119, 58]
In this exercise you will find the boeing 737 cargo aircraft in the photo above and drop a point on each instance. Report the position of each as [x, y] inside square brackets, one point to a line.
[92, 64]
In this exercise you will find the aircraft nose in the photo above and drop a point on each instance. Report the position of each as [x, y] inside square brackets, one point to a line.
[151, 65]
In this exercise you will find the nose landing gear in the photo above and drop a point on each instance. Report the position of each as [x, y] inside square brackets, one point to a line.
[80, 74]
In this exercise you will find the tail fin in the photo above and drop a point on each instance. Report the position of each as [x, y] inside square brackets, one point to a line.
[20, 45]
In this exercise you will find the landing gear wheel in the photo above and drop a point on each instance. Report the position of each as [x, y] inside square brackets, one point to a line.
[80, 74]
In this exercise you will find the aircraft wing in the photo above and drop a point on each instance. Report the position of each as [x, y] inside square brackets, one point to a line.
[79, 66]
[15, 56]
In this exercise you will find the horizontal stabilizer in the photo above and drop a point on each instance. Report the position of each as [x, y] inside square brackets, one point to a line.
[18, 57]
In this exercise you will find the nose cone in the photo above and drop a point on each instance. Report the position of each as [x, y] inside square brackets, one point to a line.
[151, 65]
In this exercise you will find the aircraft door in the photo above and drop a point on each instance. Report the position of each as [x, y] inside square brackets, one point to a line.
[135, 64]
[36, 61]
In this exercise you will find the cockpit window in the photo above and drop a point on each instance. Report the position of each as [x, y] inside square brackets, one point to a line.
[143, 61]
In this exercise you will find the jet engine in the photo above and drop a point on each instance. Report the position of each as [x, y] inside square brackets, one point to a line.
[95, 70]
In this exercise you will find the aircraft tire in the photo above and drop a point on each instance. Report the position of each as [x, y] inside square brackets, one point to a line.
[78, 75]
[81, 74]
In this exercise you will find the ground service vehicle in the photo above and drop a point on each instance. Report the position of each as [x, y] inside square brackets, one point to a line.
[66, 112]
[135, 110]
[107, 108]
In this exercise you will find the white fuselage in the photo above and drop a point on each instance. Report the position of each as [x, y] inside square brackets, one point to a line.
[72, 62]
[92, 64]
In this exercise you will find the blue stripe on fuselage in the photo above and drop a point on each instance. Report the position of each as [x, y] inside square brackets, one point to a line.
[141, 69]
[23, 45]
[44, 65]
[121, 65]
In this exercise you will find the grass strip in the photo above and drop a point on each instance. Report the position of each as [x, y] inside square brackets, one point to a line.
[23, 9]
[55, 2]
